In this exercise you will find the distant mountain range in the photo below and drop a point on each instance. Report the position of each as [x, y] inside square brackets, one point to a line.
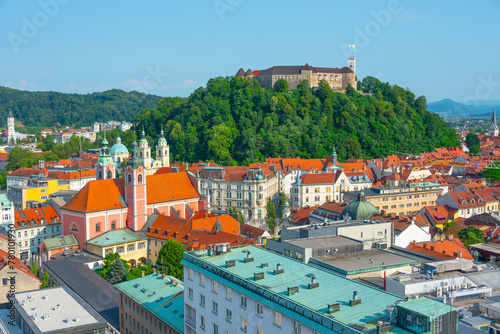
[447, 108]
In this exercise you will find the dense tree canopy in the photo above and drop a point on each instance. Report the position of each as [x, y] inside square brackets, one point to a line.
[48, 109]
[473, 142]
[169, 258]
[235, 121]
[471, 235]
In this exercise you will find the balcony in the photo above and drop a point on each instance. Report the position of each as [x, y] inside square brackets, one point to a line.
[190, 321]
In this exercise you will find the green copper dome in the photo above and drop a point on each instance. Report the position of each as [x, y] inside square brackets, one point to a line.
[143, 139]
[118, 148]
[360, 209]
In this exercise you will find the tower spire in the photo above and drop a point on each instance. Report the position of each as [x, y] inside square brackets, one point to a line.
[493, 126]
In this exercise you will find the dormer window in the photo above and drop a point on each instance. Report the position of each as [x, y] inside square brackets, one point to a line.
[472, 201]
[464, 202]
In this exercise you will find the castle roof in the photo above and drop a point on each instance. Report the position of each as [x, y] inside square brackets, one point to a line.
[240, 73]
[296, 70]
[109, 194]
[249, 72]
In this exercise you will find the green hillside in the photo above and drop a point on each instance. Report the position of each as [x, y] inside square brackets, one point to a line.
[46, 109]
[234, 120]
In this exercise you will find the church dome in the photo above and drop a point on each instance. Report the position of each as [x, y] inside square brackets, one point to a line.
[118, 148]
[360, 209]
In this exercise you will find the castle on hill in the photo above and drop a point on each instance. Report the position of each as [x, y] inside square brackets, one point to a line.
[337, 78]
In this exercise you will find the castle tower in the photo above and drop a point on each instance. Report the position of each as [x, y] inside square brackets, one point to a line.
[493, 131]
[135, 190]
[145, 151]
[105, 167]
[351, 63]
[11, 130]
[163, 150]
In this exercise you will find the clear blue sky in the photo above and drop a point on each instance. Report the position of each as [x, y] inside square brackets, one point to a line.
[440, 49]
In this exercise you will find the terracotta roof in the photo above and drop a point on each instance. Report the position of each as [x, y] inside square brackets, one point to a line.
[320, 178]
[300, 216]
[98, 195]
[446, 249]
[37, 216]
[7, 262]
[332, 207]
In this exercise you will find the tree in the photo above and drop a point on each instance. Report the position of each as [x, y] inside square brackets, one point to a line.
[19, 158]
[169, 258]
[473, 143]
[449, 227]
[136, 272]
[45, 280]
[117, 273]
[271, 219]
[34, 268]
[491, 175]
[3, 179]
[220, 142]
[281, 86]
[471, 235]
[108, 261]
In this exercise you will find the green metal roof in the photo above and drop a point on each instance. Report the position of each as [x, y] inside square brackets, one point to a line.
[115, 237]
[4, 201]
[61, 242]
[309, 306]
[427, 307]
[118, 148]
[159, 296]
[360, 210]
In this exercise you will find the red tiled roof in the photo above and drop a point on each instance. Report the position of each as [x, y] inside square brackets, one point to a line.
[445, 249]
[98, 195]
[6, 262]
[320, 178]
[37, 216]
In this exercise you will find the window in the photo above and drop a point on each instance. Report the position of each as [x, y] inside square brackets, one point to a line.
[202, 300]
[129, 178]
[296, 328]
[202, 321]
[98, 227]
[113, 225]
[139, 178]
[120, 249]
[243, 323]
[216, 329]
[202, 280]
[277, 318]
[260, 330]
[260, 309]
[190, 293]
[243, 301]
[229, 314]
[190, 274]
[228, 293]
[215, 307]
[215, 286]
[142, 245]
[131, 248]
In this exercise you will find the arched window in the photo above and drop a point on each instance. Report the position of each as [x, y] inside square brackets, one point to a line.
[99, 175]
[139, 178]
[140, 154]
[129, 178]
[110, 174]
[159, 153]
[73, 227]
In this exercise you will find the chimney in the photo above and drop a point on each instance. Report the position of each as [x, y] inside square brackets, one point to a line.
[460, 254]
[450, 237]
[444, 251]
[425, 246]
[154, 270]
[143, 273]
[432, 247]
[441, 239]
[163, 275]
[414, 242]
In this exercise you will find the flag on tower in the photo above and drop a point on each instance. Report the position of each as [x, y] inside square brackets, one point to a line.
[352, 46]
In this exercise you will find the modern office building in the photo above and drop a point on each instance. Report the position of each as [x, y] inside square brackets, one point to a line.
[252, 290]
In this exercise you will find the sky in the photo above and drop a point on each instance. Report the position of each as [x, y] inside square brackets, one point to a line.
[440, 49]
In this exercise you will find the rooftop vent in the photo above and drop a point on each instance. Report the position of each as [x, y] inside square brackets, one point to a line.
[293, 290]
[230, 263]
[258, 276]
[355, 300]
[248, 258]
[313, 284]
[77, 319]
[278, 269]
[332, 308]
[264, 265]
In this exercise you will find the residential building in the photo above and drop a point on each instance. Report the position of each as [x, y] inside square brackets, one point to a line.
[32, 226]
[8, 244]
[131, 245]
[95, 291]
[104, 205]
[245, 188]
[7, 214]
[200, 232]
[400, 201]
[439, 214]
[46, 311]
[15, 276]
[317, 188]
[52, 246]
[253, 290]
[76, 179]
[152, 304]
[470, 203]
[79, 255]
[35, 192]
[337, 78]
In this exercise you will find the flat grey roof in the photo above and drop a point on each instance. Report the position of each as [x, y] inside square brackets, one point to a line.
[420, 277]
[320, 242]
[369, 259]
[56, 309]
